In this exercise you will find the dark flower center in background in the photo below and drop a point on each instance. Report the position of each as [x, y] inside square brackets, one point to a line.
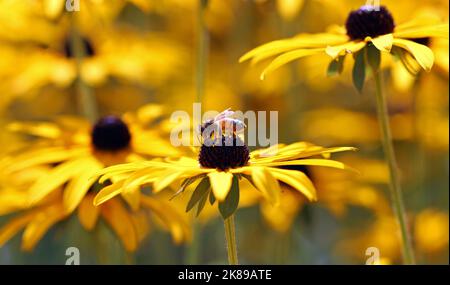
[87, 45]
[422, 41]
[110, 133]
[223, 153]
[369, 21]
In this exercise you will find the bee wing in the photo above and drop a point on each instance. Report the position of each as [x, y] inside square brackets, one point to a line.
[225, 114]
[240, 126]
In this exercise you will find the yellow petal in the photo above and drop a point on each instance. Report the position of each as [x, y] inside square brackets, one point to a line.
[88, 213]
[165, 180]
[46, 130]
[149, 112]
[108, 193]
[40, 224]
[297, 153]
[141, 224]
[132, 197]
[347, 48]
[423, 32]
[300, 41]
[54, 179]
[14, 226]
[120, 221]
[266, 183]
[422, 20]
[297, 180]
[384, 42]
[175, 222]
[220, 183]
[45, 156]
[313, 162]
[79, 185]
[11, 200]
[423, 54]
[149, 143]
[401, 78]
[288, 57]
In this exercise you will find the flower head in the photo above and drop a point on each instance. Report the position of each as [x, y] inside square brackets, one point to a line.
[223, 161]
[72, 152]
[370, 29]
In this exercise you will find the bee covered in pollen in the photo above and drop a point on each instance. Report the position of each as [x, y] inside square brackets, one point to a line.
[224, 124]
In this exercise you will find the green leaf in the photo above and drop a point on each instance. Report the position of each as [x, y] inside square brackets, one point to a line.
[229, 206]
[359, 71]
[186, 182]
[212, 198]
[336, 66]
[373, 57]
[202, 202]
[200, 191]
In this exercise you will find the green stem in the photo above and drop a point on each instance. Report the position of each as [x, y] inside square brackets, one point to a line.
[86, 98]
[193, 250]
[394, 185]
[230, 235]
[202, 50]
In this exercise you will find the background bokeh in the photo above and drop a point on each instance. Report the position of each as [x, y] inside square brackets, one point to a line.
[142, 52]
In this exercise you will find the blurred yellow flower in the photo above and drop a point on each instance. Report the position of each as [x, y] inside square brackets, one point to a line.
[130, 226]
[431, 230]
[79, 151]
[430, 235]
[73, 153]
[82, 46]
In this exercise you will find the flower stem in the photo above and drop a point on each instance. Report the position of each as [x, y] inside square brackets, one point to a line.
[87, 103]
[394, 185]
[230, 235]
[202, 50]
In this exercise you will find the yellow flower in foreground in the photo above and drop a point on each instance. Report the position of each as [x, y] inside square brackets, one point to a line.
[73, 153]
[218, 170]
[365, 27]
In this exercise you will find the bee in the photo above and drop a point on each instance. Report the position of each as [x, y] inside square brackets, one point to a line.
[223, 124]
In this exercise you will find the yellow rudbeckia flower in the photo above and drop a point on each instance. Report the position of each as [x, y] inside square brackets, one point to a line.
[79, 151]
[218, 170]
[73, 152]
[222, 162]
[365, 26]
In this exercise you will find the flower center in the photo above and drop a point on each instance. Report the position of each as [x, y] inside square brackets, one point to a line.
[223, 153]
[87, 45]
[110, 133]
[369, 21]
